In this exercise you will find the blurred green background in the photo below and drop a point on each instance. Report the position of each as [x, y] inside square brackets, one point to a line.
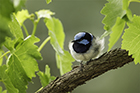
[83, 15]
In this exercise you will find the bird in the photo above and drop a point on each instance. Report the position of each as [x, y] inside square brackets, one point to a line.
[85, 47]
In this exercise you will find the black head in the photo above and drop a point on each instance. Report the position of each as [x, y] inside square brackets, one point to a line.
[82, 42]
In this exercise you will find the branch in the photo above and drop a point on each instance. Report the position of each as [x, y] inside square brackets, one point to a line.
[70, 80]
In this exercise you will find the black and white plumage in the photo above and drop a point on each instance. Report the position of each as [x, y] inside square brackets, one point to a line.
[85, 46]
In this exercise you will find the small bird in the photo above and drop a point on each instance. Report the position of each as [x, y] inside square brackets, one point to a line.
[85, 47]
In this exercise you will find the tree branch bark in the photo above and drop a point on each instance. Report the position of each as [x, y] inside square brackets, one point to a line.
[70, 80]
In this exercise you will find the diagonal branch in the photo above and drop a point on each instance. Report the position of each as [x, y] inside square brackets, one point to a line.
[70, 80]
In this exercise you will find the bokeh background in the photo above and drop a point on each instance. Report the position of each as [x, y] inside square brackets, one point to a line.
[83, 15]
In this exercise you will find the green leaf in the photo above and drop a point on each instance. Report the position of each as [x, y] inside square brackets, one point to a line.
[131, 39]
[9, 43]
[18, 4]
[63, 57]
[56, 31]
[6, 8]
[117, 30]
[6, 80]
[22, 16]
[48, 1]
[4, 29]
[15, 28]
[45, 78]
[64, 62]
[44, 14]
[22, 64]
[112, 10]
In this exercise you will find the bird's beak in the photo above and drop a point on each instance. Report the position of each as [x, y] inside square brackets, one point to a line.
[73, 41]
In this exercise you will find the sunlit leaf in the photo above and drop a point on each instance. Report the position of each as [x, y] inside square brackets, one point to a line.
[6, 80]
[112, 10]
[55, 32]
[117, 30]
[131, 39]
[44, 14]
[22, 16]
[64, 62]
[57, 35]
[22, 64]
[15, 28]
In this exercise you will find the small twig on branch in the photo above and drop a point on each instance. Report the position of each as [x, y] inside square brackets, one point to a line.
[70, 80]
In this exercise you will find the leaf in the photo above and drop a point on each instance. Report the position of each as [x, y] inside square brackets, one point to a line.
[6, 80]
[44, 14]
[18, 4]
[22, 64]
[6, 8]
[117, 30]
[64, 62]
[15, 28]
[4, 29]
[9, 43]
[48, 1]
[57, 35]
[45, 78]
[131, 39]
[112, 10]
[55, 32]
[22, 16]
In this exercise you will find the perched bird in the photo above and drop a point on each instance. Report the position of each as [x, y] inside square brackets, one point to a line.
[85, 46]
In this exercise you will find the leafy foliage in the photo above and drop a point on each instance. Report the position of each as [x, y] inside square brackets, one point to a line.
[115, 20]
[21, 64]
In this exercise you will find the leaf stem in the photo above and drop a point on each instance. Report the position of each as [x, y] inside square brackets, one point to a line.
[4, 54]
[35, 26]
[27, 34]
[43, 44]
